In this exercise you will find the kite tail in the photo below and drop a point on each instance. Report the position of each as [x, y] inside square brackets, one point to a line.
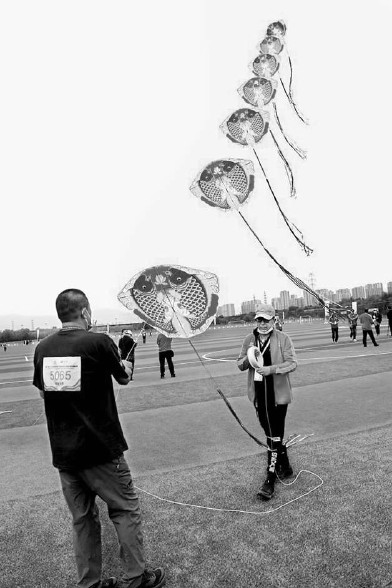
[291, 99]
[298, 150]
[294, 230]
[299, 283]
[286, 166]
[214, 382]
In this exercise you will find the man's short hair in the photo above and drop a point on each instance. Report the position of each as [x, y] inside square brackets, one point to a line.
[69, 303]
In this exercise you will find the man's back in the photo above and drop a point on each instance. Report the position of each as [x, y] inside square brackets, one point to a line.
[164, 343]
[74, 368]
[366, 321]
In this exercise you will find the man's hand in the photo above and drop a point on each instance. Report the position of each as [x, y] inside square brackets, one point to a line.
[128, 368]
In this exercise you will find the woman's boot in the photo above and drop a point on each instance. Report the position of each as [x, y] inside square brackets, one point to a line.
[284, 469]
[267, 490]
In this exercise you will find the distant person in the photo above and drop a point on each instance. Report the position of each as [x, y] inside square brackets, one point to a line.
[165, 354]
[366, 321]
[269, 390]
[73, 370]
[377, 319]
[389, 317]
[353, 321]
[126, 345]
[5, 347]
[278, 324]
[144, 336]
[334, 322]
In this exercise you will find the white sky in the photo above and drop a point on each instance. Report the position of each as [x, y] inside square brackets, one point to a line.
[110, 109]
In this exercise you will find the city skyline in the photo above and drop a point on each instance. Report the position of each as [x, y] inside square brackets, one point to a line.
[285, 299]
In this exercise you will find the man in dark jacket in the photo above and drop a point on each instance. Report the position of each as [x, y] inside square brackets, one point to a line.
[73, 371]
[127, 346]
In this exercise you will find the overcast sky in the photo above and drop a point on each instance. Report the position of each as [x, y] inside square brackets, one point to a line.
[111, 109]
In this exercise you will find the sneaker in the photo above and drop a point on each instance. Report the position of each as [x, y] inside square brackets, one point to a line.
[376, 345]
[162, 376]
[355, 340]
[173, 375]
[267, 490]
[153, 578]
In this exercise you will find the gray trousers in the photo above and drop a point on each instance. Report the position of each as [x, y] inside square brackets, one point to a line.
[112, 482]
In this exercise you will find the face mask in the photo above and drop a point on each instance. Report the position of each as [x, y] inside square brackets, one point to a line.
[263, 331]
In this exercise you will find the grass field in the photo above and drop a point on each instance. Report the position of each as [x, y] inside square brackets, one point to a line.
[336, 536]
[339, 535]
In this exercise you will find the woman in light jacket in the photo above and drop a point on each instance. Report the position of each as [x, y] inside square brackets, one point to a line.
[269, 389]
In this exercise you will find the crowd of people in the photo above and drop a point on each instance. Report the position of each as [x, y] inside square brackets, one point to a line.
[367, 321]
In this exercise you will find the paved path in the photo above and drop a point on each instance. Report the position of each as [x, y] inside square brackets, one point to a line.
[171, 438]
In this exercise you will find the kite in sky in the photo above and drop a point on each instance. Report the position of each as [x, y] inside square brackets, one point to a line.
[260, 92]
[177, 301]
[226, 184]
[248, 127]
[268, 62]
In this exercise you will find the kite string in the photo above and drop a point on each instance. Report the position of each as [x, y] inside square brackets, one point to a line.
[232, 510]
[292, 227]
[297, 281]
[222, 395]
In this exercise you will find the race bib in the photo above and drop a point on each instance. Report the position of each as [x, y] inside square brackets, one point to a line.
[62, 374]
[258, 377]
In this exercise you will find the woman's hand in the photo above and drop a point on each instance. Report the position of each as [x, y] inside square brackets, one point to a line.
[265, 370]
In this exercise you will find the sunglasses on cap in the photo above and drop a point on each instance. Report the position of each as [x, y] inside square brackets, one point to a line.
[261, 319]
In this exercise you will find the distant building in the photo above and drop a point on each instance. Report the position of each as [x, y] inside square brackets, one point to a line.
[343, 294]
[285, 299]
[277, 303]
[249, 306]
[293, 300]
[389, 287]
[309, 299]
[301, 302]
[358, 292]
[226, 310]
[374, 289]
[327, 294]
